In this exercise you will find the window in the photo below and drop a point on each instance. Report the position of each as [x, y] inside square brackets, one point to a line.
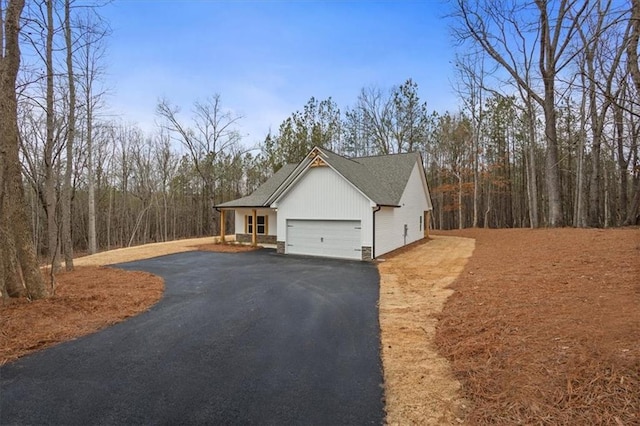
[420, 223]
[262, 224]
[262, 227]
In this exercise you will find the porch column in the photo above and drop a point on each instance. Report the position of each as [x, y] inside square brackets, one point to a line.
[254, 228]
[427, 223]
[222, 227]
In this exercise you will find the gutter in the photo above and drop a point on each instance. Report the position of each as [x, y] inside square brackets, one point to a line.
[373, 242]
[260, 206]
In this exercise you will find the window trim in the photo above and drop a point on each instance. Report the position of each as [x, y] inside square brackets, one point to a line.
[248, 224]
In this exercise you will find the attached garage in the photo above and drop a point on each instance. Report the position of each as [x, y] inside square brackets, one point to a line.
[326, 238]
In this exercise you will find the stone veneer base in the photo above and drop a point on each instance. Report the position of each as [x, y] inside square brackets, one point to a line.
[366, 253]
[261, 239]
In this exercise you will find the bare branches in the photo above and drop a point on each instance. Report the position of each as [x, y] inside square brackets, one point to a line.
[210, 140]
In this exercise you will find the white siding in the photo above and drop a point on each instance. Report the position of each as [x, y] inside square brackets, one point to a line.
[390, 221]
[323, 194]
[240, 220]
[385, 240]
[273, 222]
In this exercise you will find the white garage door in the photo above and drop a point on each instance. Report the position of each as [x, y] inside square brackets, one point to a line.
[328, 238]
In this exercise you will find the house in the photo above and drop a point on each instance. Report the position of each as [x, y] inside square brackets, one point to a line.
[332, 206]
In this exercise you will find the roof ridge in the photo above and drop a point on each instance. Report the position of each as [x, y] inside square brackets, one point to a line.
[339, 155]
[388, 155]
[367, 156]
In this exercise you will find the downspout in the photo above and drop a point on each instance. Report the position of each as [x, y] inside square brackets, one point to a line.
[373, 243]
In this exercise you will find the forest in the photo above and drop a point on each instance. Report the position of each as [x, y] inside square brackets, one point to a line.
[546, 134]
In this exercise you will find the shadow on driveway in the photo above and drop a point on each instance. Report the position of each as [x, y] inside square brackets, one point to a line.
[250, 338]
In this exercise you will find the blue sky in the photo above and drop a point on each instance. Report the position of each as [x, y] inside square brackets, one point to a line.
[267, 58]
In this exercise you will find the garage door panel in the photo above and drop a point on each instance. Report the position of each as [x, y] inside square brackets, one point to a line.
[330, 238]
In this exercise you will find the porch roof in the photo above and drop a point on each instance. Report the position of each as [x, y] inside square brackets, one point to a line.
[259, 197]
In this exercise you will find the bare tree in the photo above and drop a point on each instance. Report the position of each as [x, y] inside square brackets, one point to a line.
[50, 177]
[632, 46]
[167, 162]
[93, 32]
[493, 25]
[470, 88]
[375, 113]
[19, 270]
[67, 242]
[633, 215]
[454, 137]
[387, 121]
[602, 53]
[213, 132]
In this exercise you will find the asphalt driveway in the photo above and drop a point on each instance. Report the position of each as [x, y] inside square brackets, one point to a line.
[248, 338]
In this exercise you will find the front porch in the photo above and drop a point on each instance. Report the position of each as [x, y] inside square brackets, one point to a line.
[252, 225]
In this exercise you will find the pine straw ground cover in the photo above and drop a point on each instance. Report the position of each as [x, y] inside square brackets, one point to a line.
[85, 300]
[544, 327]
[90, 298]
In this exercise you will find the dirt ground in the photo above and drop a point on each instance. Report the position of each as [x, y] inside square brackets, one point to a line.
[419, 385]
[90, 298]
[148, 251]
[544, 327]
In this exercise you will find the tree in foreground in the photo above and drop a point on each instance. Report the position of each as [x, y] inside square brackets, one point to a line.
[19, 271]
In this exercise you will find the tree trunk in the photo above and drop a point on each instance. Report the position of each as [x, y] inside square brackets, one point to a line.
[50, 178]
[460, 221]
[623, 163]
[632, 46]
[109, 213]
[476, 154]
[532, 183]
[597, 124]
[633, 212]
[552, 169]
[606, 197]
[9, 271]
[13, 208]
[67, 242]
[91, 190]
[578, 209]
[594, 182]
[487, 211]
[633, 217]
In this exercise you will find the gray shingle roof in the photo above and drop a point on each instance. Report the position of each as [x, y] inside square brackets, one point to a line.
[259, 197]
[381, 178]
[395, 170]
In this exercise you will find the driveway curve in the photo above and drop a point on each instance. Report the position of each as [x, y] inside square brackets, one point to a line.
[250, 338]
